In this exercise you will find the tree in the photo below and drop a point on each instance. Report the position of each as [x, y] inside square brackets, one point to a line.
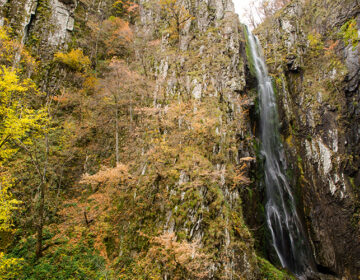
[21, 124]
[22, 120]
[119, 91]
[250, 15]
[124, 9]
[175, 16]
[259, 10]
[177, 259]
[117, 36]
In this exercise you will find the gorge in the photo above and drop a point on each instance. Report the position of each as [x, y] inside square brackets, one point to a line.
[161, 139]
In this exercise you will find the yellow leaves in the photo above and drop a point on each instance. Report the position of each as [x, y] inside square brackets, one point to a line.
[168, 4]
[176, 17]
[7, 205]
[13, 52]
[349, 33]
[19, 121]
[10, 268]
[315, 43]
[162, 153]
[75, 60]
[19, 125]
[9, 83]
[90, 82]
[3, 34]
[18, 118]
[124, 8]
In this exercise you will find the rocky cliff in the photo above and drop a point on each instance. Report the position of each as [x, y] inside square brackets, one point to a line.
[152, 163]
[201, 93]
[47, 21]
[315, 65]
[172, 209]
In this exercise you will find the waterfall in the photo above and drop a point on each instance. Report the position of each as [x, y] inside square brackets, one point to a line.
[288, 236]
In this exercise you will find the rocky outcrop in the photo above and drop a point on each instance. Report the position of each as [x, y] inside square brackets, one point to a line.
[27, 17]
[316, 73]
[206, 66]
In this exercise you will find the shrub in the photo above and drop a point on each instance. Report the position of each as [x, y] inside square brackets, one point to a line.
[349, 33]
[75, 60]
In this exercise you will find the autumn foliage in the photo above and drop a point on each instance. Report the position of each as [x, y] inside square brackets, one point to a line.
[176, 258]
[75, 59]
[118, 36]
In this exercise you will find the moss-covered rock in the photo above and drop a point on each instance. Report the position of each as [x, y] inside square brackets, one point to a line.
[310, 50]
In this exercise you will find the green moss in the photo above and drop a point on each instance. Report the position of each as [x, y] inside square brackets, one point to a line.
[349, 33]
[353, 185]
[270, 272]
[249, 55]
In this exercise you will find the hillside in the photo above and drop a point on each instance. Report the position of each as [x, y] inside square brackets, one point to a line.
[133, 144]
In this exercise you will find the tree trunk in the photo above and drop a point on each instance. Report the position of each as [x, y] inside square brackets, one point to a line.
[116, 134]
[40, 225]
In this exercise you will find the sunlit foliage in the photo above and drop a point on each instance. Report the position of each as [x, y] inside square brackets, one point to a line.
[75, 59]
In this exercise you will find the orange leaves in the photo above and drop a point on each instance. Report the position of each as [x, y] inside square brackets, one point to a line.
[87, 217]
[154, 43]
[121, 28]
[117, 176]
[117, 36]
[332, 46]
[132, 7]
[91, 213]
[122, 87]
[247, 159]
[177, 258]
[124, 8]
[63, 98]
[240, 177]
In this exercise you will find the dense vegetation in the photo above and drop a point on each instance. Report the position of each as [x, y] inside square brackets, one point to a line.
[129, 150]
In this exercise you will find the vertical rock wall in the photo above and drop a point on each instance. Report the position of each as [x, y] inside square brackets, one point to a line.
[207, 66]
[316, 74]
[50, 21]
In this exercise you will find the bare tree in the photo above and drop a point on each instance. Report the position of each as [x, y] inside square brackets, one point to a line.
[259, 10]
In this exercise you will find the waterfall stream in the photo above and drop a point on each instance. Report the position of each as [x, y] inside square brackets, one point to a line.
[288, 236]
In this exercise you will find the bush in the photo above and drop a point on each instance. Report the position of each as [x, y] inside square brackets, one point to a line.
[75, 60]
[349, 32]
[64, 262]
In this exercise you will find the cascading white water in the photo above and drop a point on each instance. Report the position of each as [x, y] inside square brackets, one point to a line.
[288, 237]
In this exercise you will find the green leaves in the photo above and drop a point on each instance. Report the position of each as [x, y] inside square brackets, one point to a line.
[66, 261]
[350, 34]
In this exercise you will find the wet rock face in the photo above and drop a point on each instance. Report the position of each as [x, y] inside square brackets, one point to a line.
[319, 108]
